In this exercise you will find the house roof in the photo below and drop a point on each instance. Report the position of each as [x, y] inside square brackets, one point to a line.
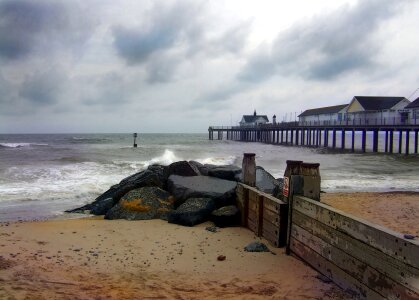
[378, 103]
[414, 104]
[253, 118]
[323, 110]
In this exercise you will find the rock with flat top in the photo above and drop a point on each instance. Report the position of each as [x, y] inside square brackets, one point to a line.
[227, 172]
[222, 192]
[183, 168]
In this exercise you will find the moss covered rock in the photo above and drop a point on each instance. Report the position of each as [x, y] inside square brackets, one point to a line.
[142, 204]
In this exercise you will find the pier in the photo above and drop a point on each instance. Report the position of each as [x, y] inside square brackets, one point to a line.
[400, 138]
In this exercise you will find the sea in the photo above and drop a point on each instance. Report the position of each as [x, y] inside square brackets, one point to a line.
[42, 175]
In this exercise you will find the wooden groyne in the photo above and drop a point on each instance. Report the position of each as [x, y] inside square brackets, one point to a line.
[397, 138]
[366, 260]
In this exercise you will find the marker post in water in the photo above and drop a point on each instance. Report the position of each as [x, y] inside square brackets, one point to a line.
[135, 137]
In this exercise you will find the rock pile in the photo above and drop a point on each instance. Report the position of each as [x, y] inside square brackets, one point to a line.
[186, 193]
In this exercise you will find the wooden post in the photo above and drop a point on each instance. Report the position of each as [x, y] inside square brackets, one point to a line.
[326, 138]
[311, 183]
[296, 137]
[317, 138]
[291, 173]
[391, 141]
[375, 141]
[416, 141]
[386, 143]
[292, 136]
[364, 140]
[407, 141]
[334, 139]
[249, 169]
[342, 139]
[353, 140]
[400, 140]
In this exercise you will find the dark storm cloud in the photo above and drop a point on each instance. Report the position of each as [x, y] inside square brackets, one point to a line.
[171, 34]
[326, 46]
[27, 26]
[164, 26]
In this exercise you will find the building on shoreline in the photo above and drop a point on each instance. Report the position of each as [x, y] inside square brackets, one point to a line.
[364, 110]
[413, 110]
[367, 110]
[328, 115]
[253, 120]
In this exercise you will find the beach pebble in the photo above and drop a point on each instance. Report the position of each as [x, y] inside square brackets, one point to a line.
[221, 257]
[256, 247]
[409, 236]
[211, 228]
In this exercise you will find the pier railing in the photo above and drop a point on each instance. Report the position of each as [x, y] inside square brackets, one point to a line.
[326, 123]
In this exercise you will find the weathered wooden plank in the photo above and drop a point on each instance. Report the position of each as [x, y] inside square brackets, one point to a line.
[271, 205]
[254, 205]
[385, 264]
[252, 216]
[273, 239]
[265, 195]
[268, 226]
[379, 237]
[252, 225]
[253, 196]
[337, 275]
[272, 217]
[359, 270]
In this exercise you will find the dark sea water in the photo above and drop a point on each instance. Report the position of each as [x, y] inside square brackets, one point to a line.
[43, 175]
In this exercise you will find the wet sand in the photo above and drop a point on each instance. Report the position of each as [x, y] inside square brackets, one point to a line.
[398, 211]
[93, 258]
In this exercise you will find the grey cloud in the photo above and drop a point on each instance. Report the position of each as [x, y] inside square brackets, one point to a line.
[172, 34]
[326, 46]
[43, 88]
[27, 26]
[164, 27]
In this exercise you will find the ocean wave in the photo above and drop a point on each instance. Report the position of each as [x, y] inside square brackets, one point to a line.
[228, 160]
[76, 139]
[21, 145]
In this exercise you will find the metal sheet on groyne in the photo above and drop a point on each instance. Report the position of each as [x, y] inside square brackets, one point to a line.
[364, 259]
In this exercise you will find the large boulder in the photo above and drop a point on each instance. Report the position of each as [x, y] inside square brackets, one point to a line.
[183, 168]
[223, 192]
[108, 199]
[265, 182]
[226, 216]
[162, 173]
[193, 211]
[203, 169]
[142, 204]
[227, 172]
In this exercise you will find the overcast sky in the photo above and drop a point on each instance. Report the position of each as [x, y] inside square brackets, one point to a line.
[180, 66]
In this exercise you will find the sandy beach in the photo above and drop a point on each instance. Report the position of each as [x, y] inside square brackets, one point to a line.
[398, 211]
[93, 258]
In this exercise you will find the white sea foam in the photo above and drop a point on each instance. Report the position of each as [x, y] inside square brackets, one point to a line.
[20, 145]
[166, 158]
[228, 160]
